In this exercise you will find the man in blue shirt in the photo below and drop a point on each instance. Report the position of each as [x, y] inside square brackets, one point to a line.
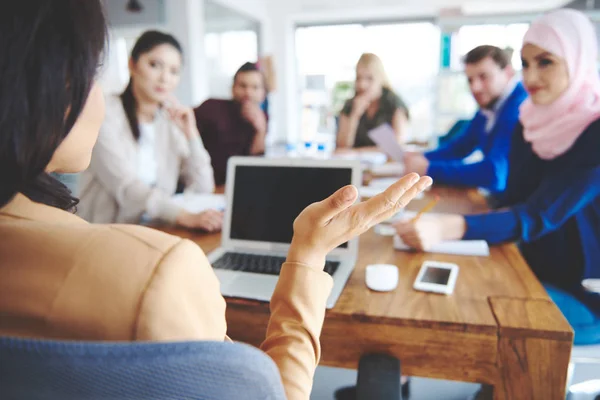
[499, 94]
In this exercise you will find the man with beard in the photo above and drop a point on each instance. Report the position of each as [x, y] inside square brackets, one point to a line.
[235, 127]
[499, 93]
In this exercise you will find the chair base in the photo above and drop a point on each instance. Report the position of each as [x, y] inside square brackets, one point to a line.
[349, 392]
[588, 390]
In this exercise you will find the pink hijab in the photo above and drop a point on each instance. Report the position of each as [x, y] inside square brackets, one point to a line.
[552, 129]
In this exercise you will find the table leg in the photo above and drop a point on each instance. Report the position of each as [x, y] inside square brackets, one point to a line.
[534, 348]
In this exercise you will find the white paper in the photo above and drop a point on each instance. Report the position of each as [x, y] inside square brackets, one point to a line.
[195, 203]
[384, 230]
[372, 191]
[399, 216]
[371, 158]
[591, 285]
[368, 191]
[383, 182]
[388, 169]
[456, 247]
[384, 137]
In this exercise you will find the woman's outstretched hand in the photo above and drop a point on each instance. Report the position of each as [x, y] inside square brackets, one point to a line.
[323, 226]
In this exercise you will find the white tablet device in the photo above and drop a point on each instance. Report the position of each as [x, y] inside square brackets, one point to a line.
[437, 277]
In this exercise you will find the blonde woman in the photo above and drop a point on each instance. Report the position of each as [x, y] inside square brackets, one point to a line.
[374, 104]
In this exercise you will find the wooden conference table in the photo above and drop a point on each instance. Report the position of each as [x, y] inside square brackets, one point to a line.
[499, 327]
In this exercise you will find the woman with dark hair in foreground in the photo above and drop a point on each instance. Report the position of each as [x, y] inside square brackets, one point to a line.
[63, 278]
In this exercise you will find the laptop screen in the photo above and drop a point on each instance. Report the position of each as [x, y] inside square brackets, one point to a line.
[267, 199]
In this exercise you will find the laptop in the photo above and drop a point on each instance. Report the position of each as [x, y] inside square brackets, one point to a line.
[264, 196]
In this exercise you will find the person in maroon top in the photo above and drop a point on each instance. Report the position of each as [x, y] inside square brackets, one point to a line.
[237, 126]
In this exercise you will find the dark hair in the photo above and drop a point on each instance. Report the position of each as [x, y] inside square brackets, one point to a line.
[145, 43]
[50, 54]
[499, 56]
[248, 67]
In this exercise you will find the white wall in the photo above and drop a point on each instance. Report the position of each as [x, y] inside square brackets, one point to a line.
[191, 23]
[284, 102]
[256, 9]
[186, 21]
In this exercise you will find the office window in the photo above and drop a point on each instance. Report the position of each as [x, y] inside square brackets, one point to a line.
[231, 39]
[454, 100]
[327, 56]
[225, 53]
[503, 36]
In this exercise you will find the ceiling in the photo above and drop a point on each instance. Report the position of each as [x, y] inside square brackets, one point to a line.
[219, 18]
[452, 5]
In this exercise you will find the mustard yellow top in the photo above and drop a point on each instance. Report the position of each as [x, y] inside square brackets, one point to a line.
[62, 278]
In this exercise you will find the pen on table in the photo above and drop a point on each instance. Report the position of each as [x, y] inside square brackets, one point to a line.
[427, 208]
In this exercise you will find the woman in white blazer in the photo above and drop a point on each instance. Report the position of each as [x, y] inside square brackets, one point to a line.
[146, 143]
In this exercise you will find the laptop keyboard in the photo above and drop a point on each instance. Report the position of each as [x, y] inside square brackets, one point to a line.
[260, 264]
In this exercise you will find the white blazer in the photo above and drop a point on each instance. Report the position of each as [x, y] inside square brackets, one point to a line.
[110, 190]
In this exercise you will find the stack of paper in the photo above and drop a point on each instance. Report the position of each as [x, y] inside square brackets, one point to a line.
[373, 190]
[591, 285]
[369, 158]
[195, 203]
[383, 182]
[385, 138]
[388, 169]
[369, 191]
[456, 247]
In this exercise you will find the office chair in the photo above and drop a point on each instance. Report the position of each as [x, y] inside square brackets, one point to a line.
[379, 378]
[588, 390]
[53, 370]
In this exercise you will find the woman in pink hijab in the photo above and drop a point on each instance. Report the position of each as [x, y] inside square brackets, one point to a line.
[552, 203]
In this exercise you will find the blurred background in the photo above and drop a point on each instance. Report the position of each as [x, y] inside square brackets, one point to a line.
[314, 46]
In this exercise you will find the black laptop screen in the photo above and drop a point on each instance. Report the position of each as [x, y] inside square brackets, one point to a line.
[267, 199]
